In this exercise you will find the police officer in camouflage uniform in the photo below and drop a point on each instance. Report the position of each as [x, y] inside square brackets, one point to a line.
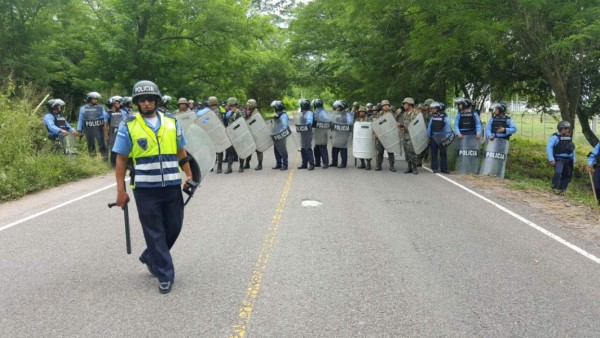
[182, 106]
[404, 120]
[362, 117]
[93, 120]
[214, 105]
[385, 106]
[235, 113]
[252, 107]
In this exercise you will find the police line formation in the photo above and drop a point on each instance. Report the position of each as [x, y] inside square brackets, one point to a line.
[156, 145]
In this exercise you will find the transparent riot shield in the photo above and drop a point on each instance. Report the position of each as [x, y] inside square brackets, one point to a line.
[186, 119]
[260, 131]
[202, 150]
[68, 144]
[386, 129]
[467, 160]
[280, 135]
[363, 145]
[418, 134]
[211, 123]
[241, 139]
[322, 127]
[494, 158]
[304, 132]
[341, 125]
[449, 142]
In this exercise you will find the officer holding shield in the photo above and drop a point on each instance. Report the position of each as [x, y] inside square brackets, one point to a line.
[93, 120]
[56, 124]
[362, 117]
[252, 107]
[115, 116]
[404, 120]
[234, 114]
[500, 125]
[440, 126]
[321, 134]
[280, 132]
[304, 127]
[154, 142]
[385, 108]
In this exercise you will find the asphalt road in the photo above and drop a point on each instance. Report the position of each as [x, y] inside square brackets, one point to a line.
[386, 254]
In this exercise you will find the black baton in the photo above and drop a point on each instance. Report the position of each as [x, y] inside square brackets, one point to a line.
[127, 234]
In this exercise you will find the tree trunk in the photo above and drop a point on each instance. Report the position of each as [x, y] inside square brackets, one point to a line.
[585, 128]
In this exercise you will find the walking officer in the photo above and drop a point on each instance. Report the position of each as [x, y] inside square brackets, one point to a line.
[252, 107]
[93, 120]
[500, 125]
[235, 113]
[306, 135]
[561, 155]
[154, 142]
[439, 125]
[321, 134]
[467, 121]
[594, 166]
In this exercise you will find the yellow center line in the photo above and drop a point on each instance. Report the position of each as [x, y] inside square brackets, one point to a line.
[240, 327]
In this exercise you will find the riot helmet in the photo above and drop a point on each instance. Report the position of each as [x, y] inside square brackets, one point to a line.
[277, 106]
[369, 105]
[428, 102]
[213, 101]
[92, 95]
[304, 104]
[563, 125]
[499, 105]
[166, 99]
[144, 89]
[362, 109]
[463, 100]
[182, 100]
[317, 103]
[114, 100]
[438, 105]
[384, 102]
[232, 101]
[408, 100]
[251, 104]
[55, 102]
[127, 100]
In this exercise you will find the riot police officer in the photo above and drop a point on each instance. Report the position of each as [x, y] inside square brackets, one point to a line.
[115, 116]
[321, 134]
[252, 108]
[362, 117]
[439, 125]
[341, 124]
[385, 108]
[306, 135]
[561, 155]
[500, 125]
[213, 104]
[280, 132]
[56, 124]
[151, 138]
[182, 106]
[234, 114]
[594, 166]
[163, 105]
[467, 120]
[404, 121]
[93, 120]
[127, 105]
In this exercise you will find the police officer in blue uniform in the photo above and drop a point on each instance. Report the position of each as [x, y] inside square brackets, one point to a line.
[439, 124]
[115, 116]
[154, 142]
[127, 106]
[594, 166]
[56, 124]
[282, 122]
[500, 125]
[308, 159]
[561, 155]
[467, 120]
[93, 121]
[321, 134]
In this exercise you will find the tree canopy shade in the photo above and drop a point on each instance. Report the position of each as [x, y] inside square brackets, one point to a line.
[378, 49]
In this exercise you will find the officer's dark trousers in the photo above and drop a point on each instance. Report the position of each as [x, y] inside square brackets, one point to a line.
[91, 144]
[334, 156]
[597, 181]
[307, 156]
[279, 159]
[435, 148]
[161, 214]
[562, 173]
[321, 153]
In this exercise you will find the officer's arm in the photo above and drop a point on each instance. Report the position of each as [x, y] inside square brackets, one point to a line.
[488, 128]
[456, 123]
[49, 121]
[511, 128]
[80, 121]
[182, 154]
[593, 155]
[550, 148]
[429, 128]
[477, 123]
[120, 169]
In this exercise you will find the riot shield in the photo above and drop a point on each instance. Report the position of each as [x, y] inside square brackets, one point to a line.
[449, 142]
[69, 145]
[202, 150]
[260, 132]
[467, 160]
[494, 158]
[418, 134]
[115, 120]
[241, 139]
[280, 135]
[341, 125]
[363, 145]
[212, 124]
[304, 133]
[186, 119]
[386, 129]
[322, 127]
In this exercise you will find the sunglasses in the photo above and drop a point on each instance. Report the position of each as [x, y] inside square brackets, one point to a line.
[149, 98]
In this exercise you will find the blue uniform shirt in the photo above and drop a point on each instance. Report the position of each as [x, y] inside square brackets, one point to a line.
[309, 116]
[511, 128]
[53, 129]
[552, 142]
[123, 143]
[594, 155]
[477, 123]
[200, 113]
[82, 110]
[447, 127]
[285, 120]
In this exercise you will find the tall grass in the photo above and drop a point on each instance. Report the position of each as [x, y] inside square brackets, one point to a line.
[27, 160]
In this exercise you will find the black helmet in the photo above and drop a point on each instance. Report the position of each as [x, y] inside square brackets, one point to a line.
[462, 100]
[143, 88]
[437, 105]
[317, 103]
[563, 125]
[304, 104]
[277, 105]
[500, 106]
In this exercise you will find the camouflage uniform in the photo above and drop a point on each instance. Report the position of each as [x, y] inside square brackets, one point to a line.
[378, 146]
[251, 104]
[405, 119]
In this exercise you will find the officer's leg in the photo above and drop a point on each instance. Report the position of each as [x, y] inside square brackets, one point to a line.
[230, 155]
[311, 158]
[304, 158]
[362, 164]
[565, 177]
[324, 155]
[219, 163]
[597, 182]
[172, 214]
[259, 155]
[344, 154]
[149, 204]
[334, 156]
[284, 158]
[317, 155]
[277, 158]
[444, 159]
[91, 143]
[102, 145]
[558, 169]
[247, 162]
[434, 155]
[380, 149]
[368, 164]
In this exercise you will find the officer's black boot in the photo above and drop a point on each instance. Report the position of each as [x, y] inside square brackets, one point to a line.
[369, 164]
[409, 169]
[259, 166]
[219, 163]
[378, 166]
[241, 170]
[229, 163]
[392, 161]
[362, 164]
[247, 165]
[415, 170]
